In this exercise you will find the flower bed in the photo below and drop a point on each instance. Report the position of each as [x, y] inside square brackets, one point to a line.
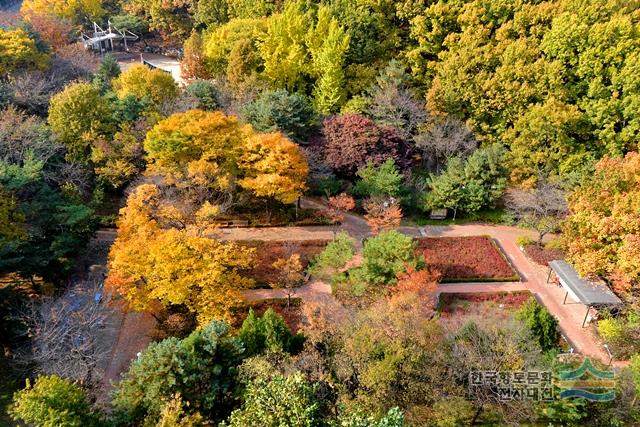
[467, 259]
[541, 255]
[268, 252]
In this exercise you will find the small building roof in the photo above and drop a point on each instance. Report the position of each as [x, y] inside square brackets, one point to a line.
[589, 292]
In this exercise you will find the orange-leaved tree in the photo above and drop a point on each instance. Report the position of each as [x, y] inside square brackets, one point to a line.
[336, 208]
[602, 233]
[382, 214]
[152, 261]
[274, 168]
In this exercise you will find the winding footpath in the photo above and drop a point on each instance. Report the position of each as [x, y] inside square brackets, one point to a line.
[533, 276]
[135, 328]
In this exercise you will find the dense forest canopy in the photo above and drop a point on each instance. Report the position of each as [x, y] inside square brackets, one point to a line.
[372, 119]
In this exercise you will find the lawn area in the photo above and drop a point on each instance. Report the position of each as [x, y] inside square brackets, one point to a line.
[466, 259]
[268, 252]
[491, 216]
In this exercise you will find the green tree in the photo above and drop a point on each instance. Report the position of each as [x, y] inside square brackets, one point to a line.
[108, 70]
[541, 323]
[201, 368]
[207, 94]
[334, 256]
[380, 181]
[386, 255]
[277, 402]
[281, 111]
[393, 418]
[268, 332]
[53, 402]
[471, 184]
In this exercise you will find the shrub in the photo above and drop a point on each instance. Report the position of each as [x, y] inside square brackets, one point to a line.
[388, 254]
[206, 93]
[610, 329]
[541, 323]
[523, 241]
[281, 111]
[53, 401]
[334, 257]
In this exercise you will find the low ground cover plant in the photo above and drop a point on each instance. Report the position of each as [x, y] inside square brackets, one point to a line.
[461, 259]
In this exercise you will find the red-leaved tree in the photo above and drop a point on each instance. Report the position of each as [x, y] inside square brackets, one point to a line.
[351, 140]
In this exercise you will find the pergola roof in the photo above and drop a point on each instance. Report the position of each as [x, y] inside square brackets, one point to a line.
[589, 292]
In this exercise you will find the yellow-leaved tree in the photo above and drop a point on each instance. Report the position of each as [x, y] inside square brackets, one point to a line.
[75, 11]
[18, 50]
[602, 233]
[153, 261]
[155, 85]
[196, 147]
[274, 168]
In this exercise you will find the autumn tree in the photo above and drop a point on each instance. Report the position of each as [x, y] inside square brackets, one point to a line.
[351, 140]
[76, 11]
[278, 401]
[602, 232]
[274, 168]
[52, 400]
[382, 214]
[290, 272]
[542, 208]
[76, 115]
[197, 148]
[19, 51]
[160, 255]
[155, 85]
[172, 19]
[336, 208]
[193, 64]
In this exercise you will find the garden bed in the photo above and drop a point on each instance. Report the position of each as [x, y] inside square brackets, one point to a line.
[541, 255]
[467, 259]
[268, 252]
[482, 307]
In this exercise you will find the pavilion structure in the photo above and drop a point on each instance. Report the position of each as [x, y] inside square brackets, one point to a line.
[591, 293]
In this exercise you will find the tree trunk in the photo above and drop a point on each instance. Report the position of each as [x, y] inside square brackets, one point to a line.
[476, 415]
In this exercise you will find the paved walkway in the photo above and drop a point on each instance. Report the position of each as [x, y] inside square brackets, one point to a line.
[533, 276]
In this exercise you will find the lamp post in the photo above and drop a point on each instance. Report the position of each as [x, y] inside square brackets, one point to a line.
[606, 347]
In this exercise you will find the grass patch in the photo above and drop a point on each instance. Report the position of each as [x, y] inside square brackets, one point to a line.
[491, 216]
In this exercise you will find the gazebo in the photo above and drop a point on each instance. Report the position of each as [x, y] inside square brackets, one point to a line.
[591, 293]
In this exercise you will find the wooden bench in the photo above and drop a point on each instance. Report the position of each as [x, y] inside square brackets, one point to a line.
[438, 214]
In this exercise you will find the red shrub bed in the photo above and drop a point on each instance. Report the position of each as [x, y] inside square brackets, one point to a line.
[466, 259]
[268, 252]
[542, 255]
